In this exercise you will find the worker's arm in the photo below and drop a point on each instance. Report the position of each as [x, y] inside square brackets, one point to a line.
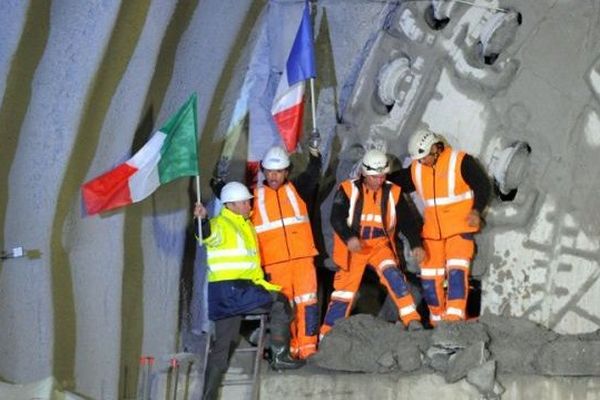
[403, 179]
[339, 216]
[478, 181]
[408, 224]
[410, 227]
[480, 184]
[201, 212]
[306, 183]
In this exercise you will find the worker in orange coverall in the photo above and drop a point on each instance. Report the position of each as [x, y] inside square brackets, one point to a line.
[286, 241]
[455, 190]
[365, 214]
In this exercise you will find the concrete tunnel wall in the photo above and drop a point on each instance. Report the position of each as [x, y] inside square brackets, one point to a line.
[83, 84]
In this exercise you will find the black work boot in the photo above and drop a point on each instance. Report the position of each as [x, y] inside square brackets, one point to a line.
[281, 359]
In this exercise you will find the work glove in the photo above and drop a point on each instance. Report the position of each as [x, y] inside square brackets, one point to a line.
[313, 145]
[414, 258]
[222, 168]
[412, 266]
[330, 265]
[216, 184]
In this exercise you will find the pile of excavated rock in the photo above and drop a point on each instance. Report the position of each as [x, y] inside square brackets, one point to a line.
[475, 350]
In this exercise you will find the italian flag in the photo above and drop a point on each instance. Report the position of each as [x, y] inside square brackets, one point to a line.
[170, 153]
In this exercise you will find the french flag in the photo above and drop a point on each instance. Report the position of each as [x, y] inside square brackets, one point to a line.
[288, 105]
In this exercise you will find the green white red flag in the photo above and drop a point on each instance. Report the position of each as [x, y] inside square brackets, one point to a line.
[170, 153]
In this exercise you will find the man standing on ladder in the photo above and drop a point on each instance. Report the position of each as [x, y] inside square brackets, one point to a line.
[236, 286]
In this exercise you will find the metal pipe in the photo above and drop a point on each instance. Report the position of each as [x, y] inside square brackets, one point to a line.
[150, 362]
[175, 372]
[481, 5]
[141, 388]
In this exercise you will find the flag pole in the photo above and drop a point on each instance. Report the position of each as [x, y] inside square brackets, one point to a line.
[313, 107]
[315, 137]
[198, 220]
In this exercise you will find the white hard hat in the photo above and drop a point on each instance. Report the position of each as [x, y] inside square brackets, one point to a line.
[419, 145]
[375, 162]
[235, 191]
[276, 158]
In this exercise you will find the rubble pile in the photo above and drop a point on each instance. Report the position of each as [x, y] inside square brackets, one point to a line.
[477, 351]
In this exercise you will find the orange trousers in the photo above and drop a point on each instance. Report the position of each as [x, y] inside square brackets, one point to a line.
[445, 276]
[378, 254]
[298, 280]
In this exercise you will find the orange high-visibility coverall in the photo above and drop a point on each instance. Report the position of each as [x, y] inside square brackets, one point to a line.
[287, 249]
[447, 238]
[372, 217]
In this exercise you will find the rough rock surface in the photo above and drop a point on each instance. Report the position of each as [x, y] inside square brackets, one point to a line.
[475, 350]
[515, 342]
[569, 356]
[364, 343]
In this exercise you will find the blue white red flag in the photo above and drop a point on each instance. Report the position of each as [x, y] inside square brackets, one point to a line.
[288, 105]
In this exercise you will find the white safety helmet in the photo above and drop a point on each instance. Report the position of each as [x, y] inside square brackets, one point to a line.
[276, 158]
[235, 191]
[419, 145]
[375, 162]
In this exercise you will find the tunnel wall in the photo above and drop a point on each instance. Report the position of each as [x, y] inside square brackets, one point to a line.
[84, 84]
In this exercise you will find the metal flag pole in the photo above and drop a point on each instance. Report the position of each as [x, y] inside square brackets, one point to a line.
[315, 137]
[313, 107]
[198, 220]
[198, 194]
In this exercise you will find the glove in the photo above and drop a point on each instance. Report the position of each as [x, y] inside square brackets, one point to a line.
[412, 266]
[330, 265]
[313, 145]
[413, 261]
[222, 168]
[216, 184]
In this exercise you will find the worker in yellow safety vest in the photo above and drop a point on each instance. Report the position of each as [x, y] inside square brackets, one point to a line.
[236, 285]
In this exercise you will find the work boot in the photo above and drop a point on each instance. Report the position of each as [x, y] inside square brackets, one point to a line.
[415, 325]
[281, 359]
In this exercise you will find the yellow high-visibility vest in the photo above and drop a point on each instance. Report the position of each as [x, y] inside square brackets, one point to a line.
[232, 250]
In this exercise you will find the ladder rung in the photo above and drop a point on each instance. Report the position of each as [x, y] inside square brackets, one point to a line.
[252, 378]
[234, 382]
[252, 317]
[246, 350]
